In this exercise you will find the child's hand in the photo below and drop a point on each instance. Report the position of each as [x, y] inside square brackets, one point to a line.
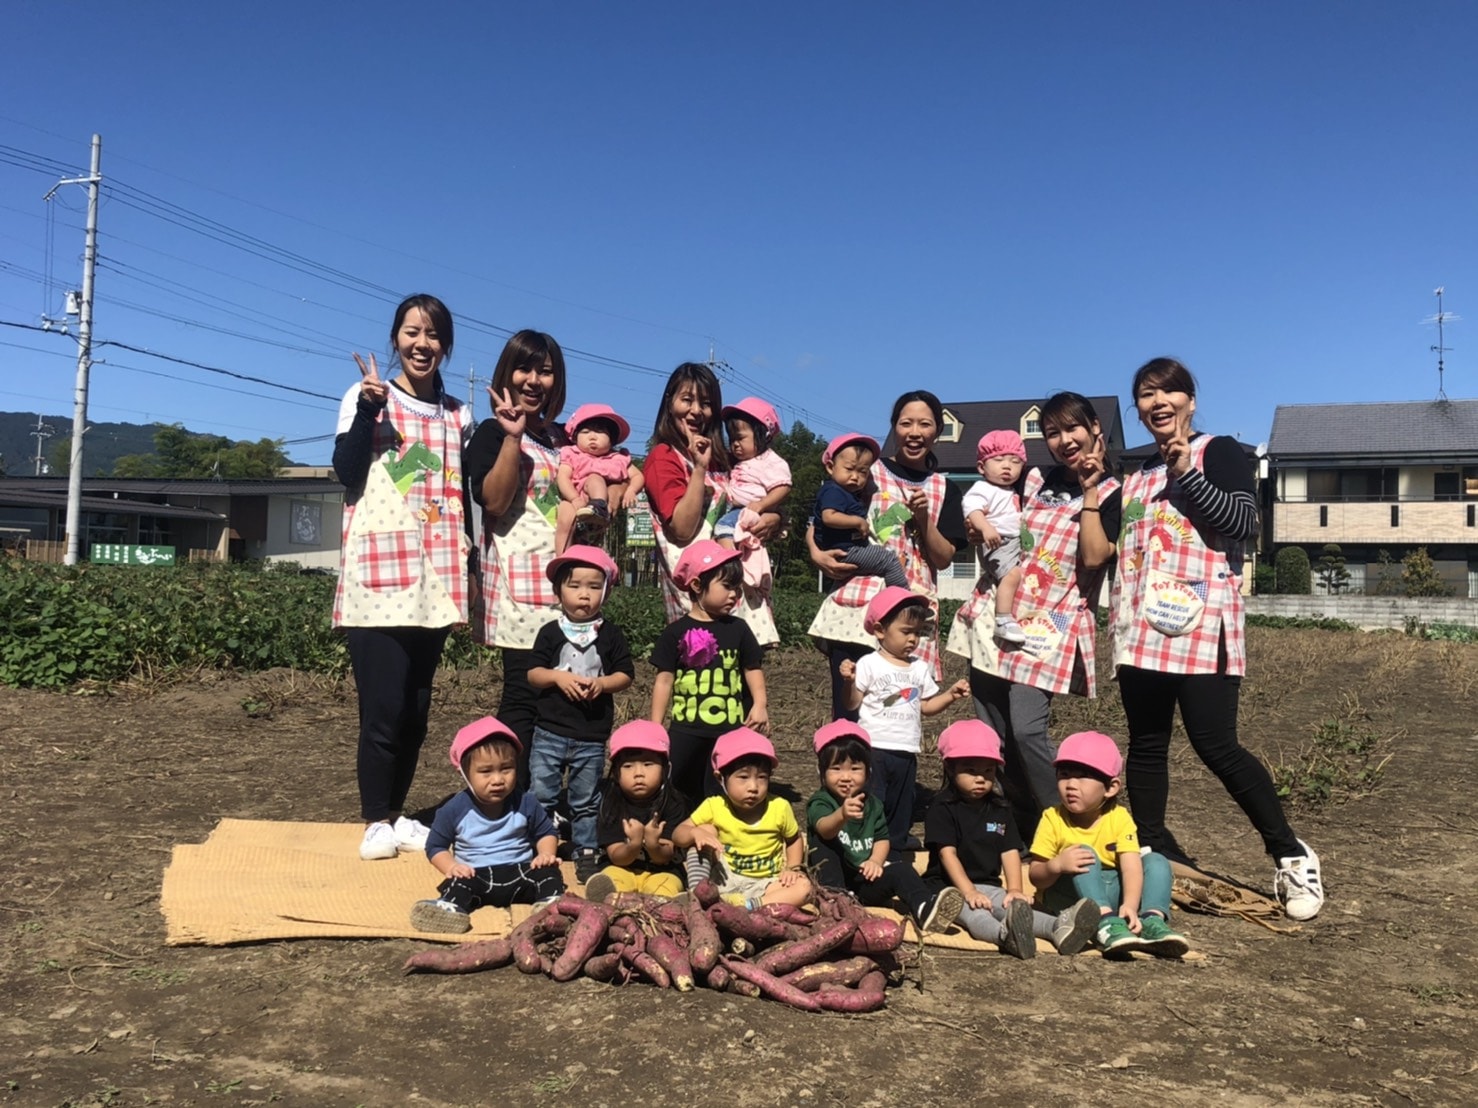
[371, 387]
[460, 869]
[789, 877]
[628, 498]
[870, 870]
[632, 829]
[855, 805]
[759, 719]
[977, 899]
[847, 671]
[510, 416]
[652, 831]
[573, 687]
[1075, 859]
[960, 689]
[543, 859]
[1010, 896]
[864, 530]
[1131, 917]
[706, 838]
[990, 538]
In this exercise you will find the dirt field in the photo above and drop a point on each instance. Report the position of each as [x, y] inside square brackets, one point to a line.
[1374, 1003]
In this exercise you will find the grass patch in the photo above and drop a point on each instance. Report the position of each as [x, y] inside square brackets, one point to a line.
[1344, 760]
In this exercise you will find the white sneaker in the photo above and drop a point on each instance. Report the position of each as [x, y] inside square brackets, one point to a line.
[1298, 885]
[1009, 631]
[378, 842]
[410, 834]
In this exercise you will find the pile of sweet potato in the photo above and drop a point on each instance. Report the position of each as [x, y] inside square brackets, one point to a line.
[839, 959]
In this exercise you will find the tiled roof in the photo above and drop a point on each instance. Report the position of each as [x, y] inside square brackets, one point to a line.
[1440, 428]
[979, 416]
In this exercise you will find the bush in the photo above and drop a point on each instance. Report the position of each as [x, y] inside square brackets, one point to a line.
[1293, 571]
[1308, 623]
[1264, 579]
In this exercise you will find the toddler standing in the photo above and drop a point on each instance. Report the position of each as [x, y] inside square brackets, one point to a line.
[578, 663]
[639, 811]
[1088, 846]
[594, 477]
[750, 837]
[974, 847]
[993, 507]
[892, 691]
[492, 842]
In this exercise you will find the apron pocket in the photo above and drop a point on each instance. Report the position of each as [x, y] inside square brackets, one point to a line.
[390, 561]
[526, 582]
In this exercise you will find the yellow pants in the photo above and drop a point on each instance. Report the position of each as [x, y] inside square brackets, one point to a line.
[644, 881]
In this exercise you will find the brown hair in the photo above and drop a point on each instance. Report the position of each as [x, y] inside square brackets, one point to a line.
[667, 430]
[531, 349]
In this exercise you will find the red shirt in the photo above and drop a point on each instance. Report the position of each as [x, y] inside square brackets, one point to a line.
[667, 475]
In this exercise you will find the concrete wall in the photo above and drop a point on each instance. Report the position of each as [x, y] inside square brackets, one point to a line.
[1369, 611]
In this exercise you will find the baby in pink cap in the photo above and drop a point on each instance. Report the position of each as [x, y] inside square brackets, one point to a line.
[593, 474]
[992, 507]
[759, 482]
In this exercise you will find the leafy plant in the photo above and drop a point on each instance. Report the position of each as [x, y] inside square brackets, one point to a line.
[1344, 760]
[1419, 576]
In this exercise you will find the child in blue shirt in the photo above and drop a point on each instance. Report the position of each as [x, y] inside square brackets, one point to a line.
[493, 842]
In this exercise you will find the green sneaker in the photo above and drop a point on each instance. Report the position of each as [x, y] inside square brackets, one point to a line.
[1158, 938]
[1115, 939]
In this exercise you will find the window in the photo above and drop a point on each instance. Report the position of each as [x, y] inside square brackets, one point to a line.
[963, 566]
[1470, 482]
[1323, 484]
[1395, 515]
[1323, 515]
[1031, 423]
[1471, 515]
[155, 531]
[950, 432]
[1445, 486]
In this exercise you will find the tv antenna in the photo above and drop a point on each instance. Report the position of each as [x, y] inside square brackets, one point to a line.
[1440, 319]
[42, 432]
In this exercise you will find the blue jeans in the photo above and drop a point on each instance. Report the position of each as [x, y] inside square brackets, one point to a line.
[551, 756]
[1102, 886]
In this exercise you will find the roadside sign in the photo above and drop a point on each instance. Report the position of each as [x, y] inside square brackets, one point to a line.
[639, 524]
[119, 554]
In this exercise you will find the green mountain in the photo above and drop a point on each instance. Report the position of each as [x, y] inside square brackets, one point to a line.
[106, 442]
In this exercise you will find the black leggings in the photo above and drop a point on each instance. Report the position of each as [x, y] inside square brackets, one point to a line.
[899, 879]
[692, 764]
[393, 671]
[518, 705]
[1208, 709]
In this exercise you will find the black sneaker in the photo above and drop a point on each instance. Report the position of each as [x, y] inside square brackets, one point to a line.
[941, 914]
[587, 865]
[599, 889]
[1017, 938]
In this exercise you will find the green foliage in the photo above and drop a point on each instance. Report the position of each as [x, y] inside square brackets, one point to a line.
[1387, 577]
[1293, 571]
[1419, 577]
[1330, 569]
[1446, 632]
[1343, 761]
[1264, 579]
[1308, 623]
[182, 453]
[801, 448]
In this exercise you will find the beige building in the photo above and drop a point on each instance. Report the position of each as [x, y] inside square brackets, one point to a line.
[1379, 477]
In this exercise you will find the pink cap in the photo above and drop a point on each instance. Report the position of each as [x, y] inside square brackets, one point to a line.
[758, 410]
[475, 732]
[1093, 749]
[970, 738]
[698, 559]
[1000, 444]
[735, 744]
[640, 734]
[582, 555]
[885, 603]
[841, 729]
[851, 438]
[586, 412]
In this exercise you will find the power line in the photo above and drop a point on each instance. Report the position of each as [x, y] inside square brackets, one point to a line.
[216, 369]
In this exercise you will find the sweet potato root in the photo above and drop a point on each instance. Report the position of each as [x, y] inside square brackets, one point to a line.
[743, 924]
[671, 956]
[706, 893]
[771, 986]
[581, 940]
[868, 996]
[848, 972]
[875, 935]
[602, 967]
[789, 956]
[463, 958]
[704, 946]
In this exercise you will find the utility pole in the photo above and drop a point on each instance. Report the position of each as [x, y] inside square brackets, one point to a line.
[84, 347]
[41, 434]
[471, 395]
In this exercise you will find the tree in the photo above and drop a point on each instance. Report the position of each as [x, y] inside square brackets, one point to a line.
[1387, 579]
[801, 447]
[1293, 571]
[182, 453]
[1420, 576]
[1331, 571]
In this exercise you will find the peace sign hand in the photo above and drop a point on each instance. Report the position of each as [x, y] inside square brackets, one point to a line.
[1177, 449]
[510, 416]
[370, 386]
[1091, 465]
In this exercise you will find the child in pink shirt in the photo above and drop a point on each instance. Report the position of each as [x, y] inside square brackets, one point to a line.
[759, 482]
[593, 473]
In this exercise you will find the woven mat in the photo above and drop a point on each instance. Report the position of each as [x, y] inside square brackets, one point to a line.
[253, 880]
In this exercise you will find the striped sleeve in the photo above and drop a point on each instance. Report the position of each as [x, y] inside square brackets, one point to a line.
[1229, 512]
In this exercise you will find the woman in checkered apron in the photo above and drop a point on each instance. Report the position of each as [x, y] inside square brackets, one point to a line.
[1178, 625]
[1067, 516]
[914, 512]
[685, 473]
[403, 571]
[512, 466]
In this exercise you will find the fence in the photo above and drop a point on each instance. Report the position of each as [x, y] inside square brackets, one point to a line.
[1370, 611]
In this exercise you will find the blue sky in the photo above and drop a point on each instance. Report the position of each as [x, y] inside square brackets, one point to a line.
[845, 199]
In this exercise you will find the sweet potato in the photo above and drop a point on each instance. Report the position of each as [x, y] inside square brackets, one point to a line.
[782, 959]
[703, 941]
[647, 966]
[788, 913]
[463, 958]
[570, 905]
[524, 940]
[868, 996]
[771, 986]
[848, 972]
[581, 940]
[839, 905]
[603, 967]
[706, 892]
[670, 913]
[718, 978]
[875, 935]
[740, 987]
[674, 959]
[744, 924]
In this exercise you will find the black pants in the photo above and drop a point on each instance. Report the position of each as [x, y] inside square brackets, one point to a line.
[836, 654]
[393, 672]
[500, 886]
[692, 764]
[899, 879]
[1208, 709]
[518, 706]
[1020, 715]
[893, 780]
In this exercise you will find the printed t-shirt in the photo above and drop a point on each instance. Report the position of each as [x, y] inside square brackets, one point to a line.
[707, 659]
[979, 830]
[586, 720]
[892, 701]
[854, 842]
[668, 805]
[477, 839]
[751, 849]
[1115, 833]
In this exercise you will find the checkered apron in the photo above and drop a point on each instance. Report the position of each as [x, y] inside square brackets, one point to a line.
[754, 603]
[517, 599]
[404, 544]
[842, 610]
[1174, 596]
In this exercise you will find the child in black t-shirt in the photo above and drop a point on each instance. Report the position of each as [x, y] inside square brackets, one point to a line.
[638, 812]
[974, 846]
[848, 833]
[578, 662]
[708, 667]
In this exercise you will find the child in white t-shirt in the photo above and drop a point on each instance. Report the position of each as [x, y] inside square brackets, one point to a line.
[993, 507]
[891, 691]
